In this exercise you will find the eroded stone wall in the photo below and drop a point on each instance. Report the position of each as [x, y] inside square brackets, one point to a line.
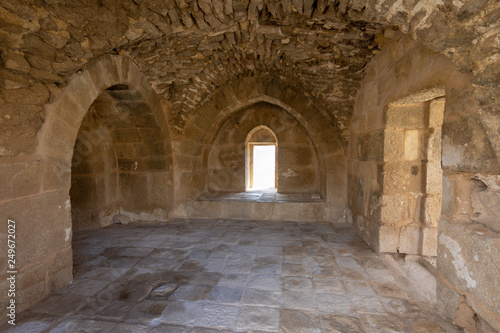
[37, 192]
[468, 243]
[395, 182]
[395, 149]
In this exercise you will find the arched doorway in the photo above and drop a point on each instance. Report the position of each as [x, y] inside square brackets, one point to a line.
[261, 155]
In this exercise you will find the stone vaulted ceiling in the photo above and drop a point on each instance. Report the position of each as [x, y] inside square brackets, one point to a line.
[189, 48]
[320, 57]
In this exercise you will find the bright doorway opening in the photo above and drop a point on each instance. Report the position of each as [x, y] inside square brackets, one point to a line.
[261, 161]
[264, 167]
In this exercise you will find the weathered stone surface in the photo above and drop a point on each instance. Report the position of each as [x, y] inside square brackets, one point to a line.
[460, 247]
[190, 50]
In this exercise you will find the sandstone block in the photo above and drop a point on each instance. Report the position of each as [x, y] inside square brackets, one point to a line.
[15, 61]
[133, 187]
[393, 208]
[20, 179]
[436, 113]
[388, 238]
[393, 145]
[434, 180]
[126, 135]
[463, 263]
[410, 116]
[429, 242]
[61, 270]
[412, 145]
[401, 177]
[432, 210]
[30, 285]
[56, 174]
[371, 146]
[409, 240]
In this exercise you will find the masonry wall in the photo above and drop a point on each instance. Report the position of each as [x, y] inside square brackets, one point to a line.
[394, 153]
[196, 163]
[37, 174]
[395, 209]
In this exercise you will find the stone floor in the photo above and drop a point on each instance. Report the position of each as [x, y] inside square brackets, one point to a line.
[229, 276]
[268, 195]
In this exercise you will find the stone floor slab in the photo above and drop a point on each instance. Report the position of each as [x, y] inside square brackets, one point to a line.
[229, 276]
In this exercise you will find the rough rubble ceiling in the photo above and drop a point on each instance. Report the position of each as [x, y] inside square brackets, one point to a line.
[188, 48]
[327, 64]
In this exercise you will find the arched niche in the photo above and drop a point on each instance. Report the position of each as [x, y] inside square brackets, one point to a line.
[119, 161]
[298, 166]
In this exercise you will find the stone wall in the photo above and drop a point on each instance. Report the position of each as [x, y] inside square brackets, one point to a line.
[119, 165]
[395, 149]
[395, 181]
[191, 52]
[468, 243]
[38, 181]
[192, 147]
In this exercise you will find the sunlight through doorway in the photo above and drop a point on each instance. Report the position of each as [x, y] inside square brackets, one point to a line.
[264, 167]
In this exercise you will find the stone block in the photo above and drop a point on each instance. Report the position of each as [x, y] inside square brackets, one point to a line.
[412, 145]
[126, 135]
[371, 146]
[68, 109]
[150, 164]
[296, 180]
[290, 156]
[485, 199]
[133, 187]
[83, 90]
[124, 150]
[429, 241]
[43, 231]
[160, 186]
[56, 174]
[151, 134]
[393, 145]
[15, 61]
[436, 113]
[434, 180]
[466, 146]
[409, 239]
[433, 152]
[30, 286]
[432, 210]
[59, 138]
[61, 270]
[20, 179]
[183, 162]
[393, 208]
[447, 300]
[387, 238]
[400, 177]
[293, 211]
[463, 262]
[408, 116]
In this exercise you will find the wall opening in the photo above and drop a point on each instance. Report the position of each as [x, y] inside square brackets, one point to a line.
[261, 159]
[412, 184]
[263, 167]
[119, 166]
